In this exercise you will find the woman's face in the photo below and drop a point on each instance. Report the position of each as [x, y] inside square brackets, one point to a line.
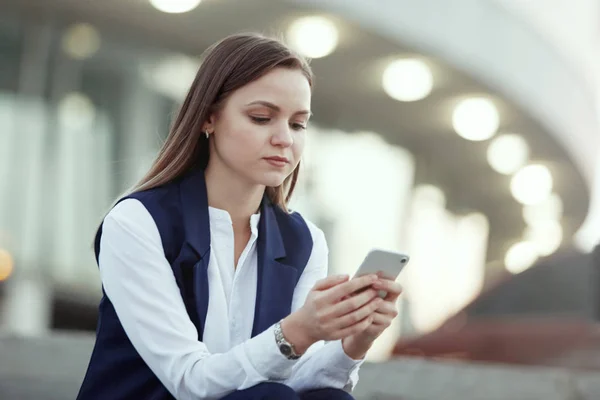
[259, 133]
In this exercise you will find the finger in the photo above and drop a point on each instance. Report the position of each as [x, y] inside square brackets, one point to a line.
[382, 319]
[374, 331]
[351, 303]
[388, 285]
[391, 297]
[353, 329]
[349, 287]
[330, 282]
[393, 289]
[357, 315]
[387, 308]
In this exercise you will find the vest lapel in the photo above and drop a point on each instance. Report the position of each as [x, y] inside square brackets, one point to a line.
[276, 280]
[195, 255]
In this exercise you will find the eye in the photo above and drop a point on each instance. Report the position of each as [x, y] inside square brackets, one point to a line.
[260, 120]
[298, 127]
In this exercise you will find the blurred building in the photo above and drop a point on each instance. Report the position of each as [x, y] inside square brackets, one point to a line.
[451, 131]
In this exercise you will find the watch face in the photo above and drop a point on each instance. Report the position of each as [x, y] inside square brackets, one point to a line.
[285, 349]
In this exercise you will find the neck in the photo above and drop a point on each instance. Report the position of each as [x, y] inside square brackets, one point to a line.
[229, 192]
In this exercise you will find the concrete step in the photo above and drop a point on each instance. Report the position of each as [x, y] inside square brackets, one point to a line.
[52, 368]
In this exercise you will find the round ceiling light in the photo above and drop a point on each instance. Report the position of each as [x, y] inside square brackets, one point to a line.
[546, 237]
[507, 153]
[76, 111]
[81, 41]
[171, 75]
[476, 119]
[313, 37]
[519, 257]
[175, 6]
[531, 184]
[430, 194]
[550, 209]
[407, 80]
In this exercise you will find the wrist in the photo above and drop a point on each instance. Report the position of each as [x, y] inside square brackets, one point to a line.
[354, 349]
[294, 332]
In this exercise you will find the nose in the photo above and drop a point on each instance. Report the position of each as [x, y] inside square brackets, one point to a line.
[282, 137]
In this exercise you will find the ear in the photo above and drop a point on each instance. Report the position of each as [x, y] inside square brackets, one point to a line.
[209, 125]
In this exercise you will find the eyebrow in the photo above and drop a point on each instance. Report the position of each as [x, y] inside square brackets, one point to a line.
[276, 108]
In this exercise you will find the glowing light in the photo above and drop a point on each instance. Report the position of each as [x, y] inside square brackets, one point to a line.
[81, 41]
[430, 194]
[313, 37]
[545, 236]
[476, 119]
[172, 75]
[175, 6]
[531, 184]
[76, 111]
[6, 264]
[507, 153]
[550, 209]
[407, 80]
[519, 257]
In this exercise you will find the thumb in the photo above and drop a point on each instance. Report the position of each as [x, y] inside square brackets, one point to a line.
[330, 282]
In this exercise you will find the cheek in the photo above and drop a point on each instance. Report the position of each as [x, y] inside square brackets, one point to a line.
[250, 139]
[240, 140]
[298, 146]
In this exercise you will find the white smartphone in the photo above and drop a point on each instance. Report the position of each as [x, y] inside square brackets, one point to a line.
[387, 264]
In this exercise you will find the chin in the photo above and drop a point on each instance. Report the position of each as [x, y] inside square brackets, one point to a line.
[272, 179]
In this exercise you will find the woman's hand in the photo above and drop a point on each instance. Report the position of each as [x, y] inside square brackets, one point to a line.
[333, 310]
[357, 345]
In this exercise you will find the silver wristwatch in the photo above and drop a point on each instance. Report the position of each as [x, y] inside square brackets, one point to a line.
[285, 347]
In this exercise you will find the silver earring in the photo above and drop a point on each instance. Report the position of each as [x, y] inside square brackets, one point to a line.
[206, 133]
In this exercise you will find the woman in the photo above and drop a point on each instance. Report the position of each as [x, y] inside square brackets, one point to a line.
[212, 288]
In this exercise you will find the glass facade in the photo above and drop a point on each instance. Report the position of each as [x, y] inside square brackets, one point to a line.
[78, 128]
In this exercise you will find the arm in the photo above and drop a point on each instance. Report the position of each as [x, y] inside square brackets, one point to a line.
[324, 364]
[139, 281]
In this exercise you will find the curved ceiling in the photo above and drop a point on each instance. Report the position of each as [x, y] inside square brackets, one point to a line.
[572, 28]
[348, 96]
[489, 43]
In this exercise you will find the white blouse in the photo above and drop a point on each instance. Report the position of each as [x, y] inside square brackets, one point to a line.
[139, 281]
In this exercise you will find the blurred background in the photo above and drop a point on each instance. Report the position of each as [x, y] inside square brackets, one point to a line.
[464, 133]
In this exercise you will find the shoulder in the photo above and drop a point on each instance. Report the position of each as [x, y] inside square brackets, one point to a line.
[162, 204]
[127, 226]
[129, 212]
[154, 214]
[128, 221]
[161, 197]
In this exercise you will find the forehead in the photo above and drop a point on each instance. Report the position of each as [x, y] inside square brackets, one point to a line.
[287, 88]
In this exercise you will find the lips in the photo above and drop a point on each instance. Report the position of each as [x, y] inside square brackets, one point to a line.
[277, 161]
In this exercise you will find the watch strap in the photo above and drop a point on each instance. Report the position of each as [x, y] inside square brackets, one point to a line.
[286, 348]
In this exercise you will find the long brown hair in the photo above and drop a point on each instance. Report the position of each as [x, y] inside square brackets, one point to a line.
[227, 65]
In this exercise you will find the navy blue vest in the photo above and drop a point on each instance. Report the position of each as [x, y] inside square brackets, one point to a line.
[180, 210]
